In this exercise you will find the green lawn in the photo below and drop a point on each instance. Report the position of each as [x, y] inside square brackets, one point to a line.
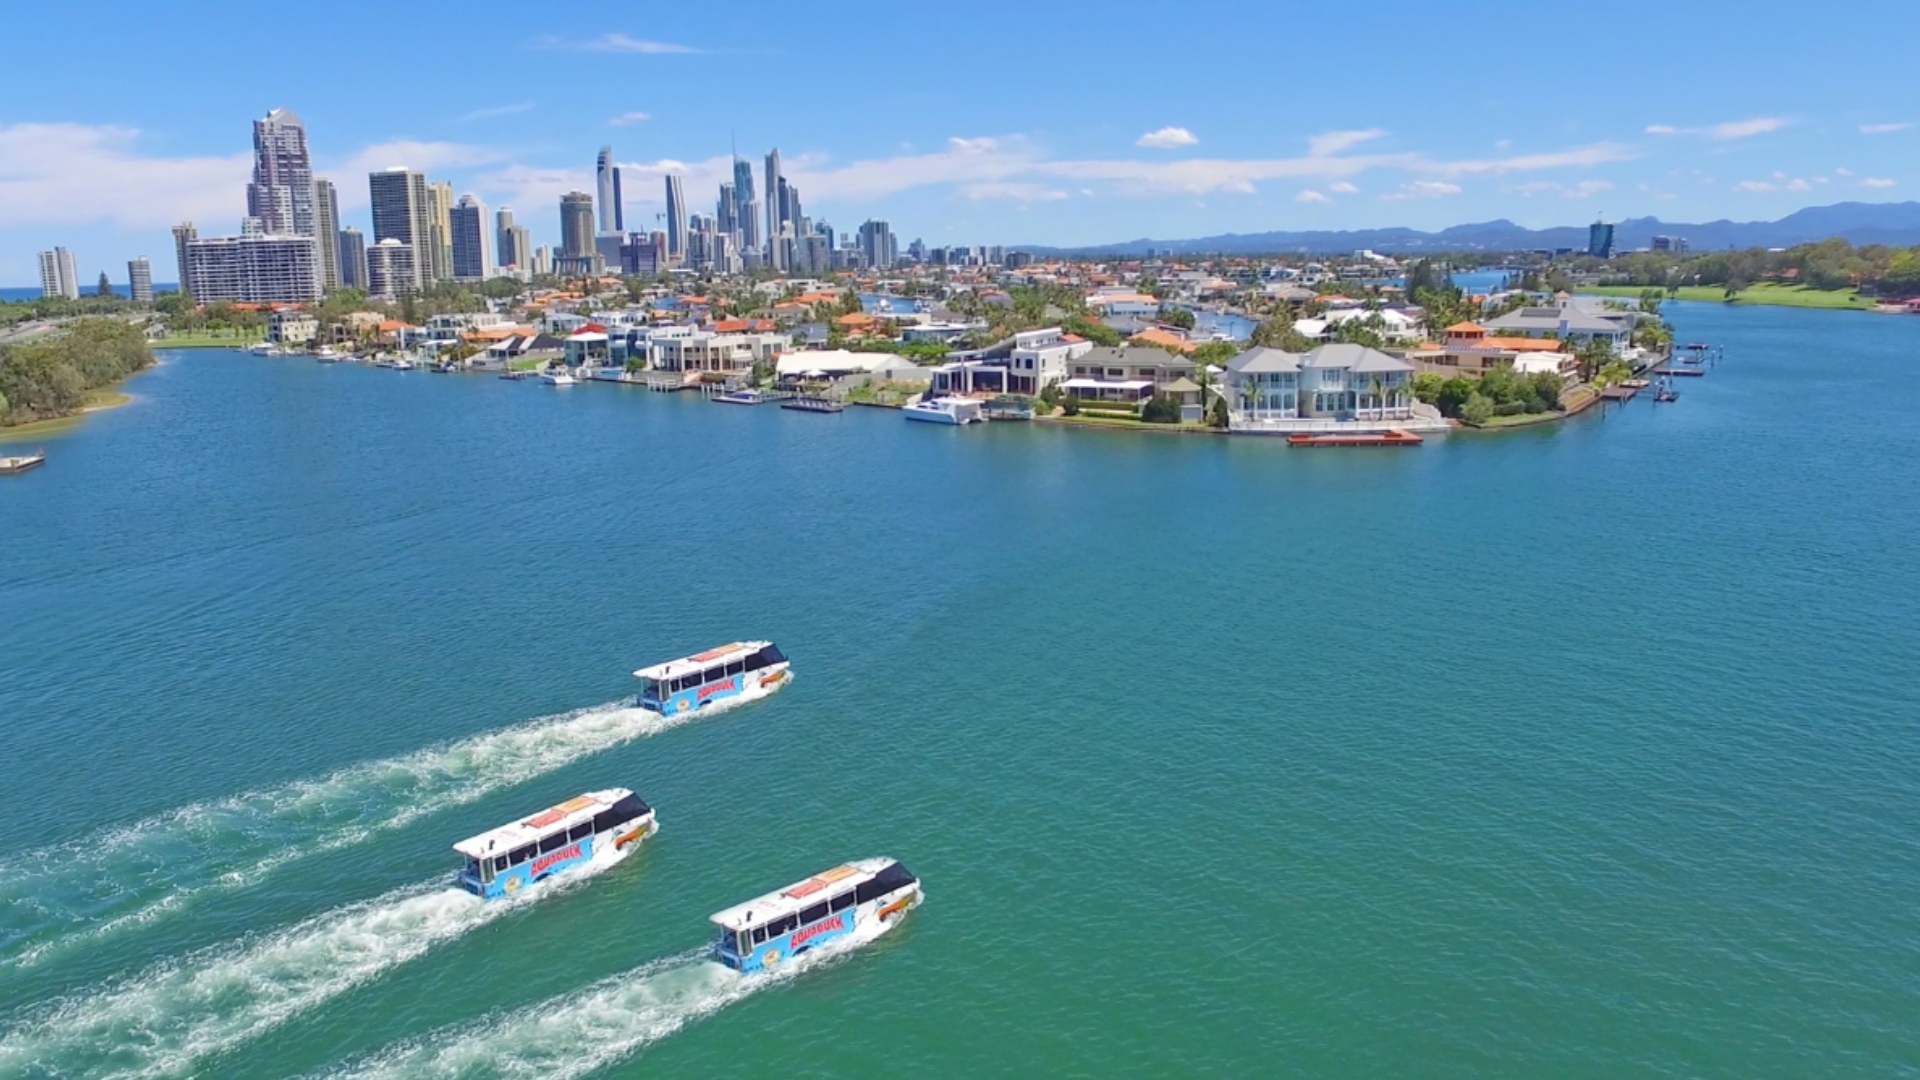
[1766, 293]
[206, 341]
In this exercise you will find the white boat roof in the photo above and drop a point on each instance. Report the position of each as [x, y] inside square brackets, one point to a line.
[525, 831]
[722, 654]
[798, 895]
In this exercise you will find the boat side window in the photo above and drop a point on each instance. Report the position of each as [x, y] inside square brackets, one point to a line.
[522, 854]
[759, 935]
[628, 808]
[782, 925]
[842, 902]
[499, 863]
[716, 673]
[554, 842]
[736, 667]
[580, 831]
[813, 914]
[604, 820]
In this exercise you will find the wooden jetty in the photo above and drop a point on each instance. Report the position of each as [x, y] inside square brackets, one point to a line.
[11, 466]
[1396, 437]
[808, 403]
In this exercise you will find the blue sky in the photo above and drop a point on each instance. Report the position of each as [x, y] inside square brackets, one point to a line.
[988, 122]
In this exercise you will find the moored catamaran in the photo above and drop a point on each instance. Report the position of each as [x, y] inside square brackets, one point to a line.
[597, 827]
[865, 898]
[743, 669]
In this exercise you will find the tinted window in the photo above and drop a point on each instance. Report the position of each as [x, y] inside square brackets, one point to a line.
[813, 914]
[759, 935]
[553, 843]
[716, 674]
[580, 831]
[604, 820]
[522, 854]
[842, 902]
[628, 808]
[736, 667]
[499, 863]
[885, 882]
[783, 925]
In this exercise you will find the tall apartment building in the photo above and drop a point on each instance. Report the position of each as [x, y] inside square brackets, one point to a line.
[326, 230]
[505, 251]
[746, 210]
[352, 253]
[400, 213]
[255, 267]
[440, 231]
[776, 211]
[470, 246]
[390, 270]
[877, 245]
[57, 276]
[183, 234]
[140, 280]
[676, 219]
[576, 225]
[281, 192]
[613, 218]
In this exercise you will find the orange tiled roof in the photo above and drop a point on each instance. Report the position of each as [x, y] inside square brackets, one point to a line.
[1162, 339]
[1466, 328]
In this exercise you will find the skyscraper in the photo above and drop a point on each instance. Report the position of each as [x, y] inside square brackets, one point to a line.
[676, 219]
[607, 177]
[440, 231]
[1600, 240]
[326, 227]
[469, 219]
[352, 253]
[400, 213]
[281, 194]
[57, 276]
[776, 211]
[746, 212]
[505, 251]
[140, 280]
[390, 269]
[576, 225]
[183, 234]
[877, 245]
[256, 267]
[723, 216]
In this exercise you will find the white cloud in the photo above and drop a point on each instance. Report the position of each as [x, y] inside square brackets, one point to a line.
[1167, 138]
[1018, 192]
[1311, 196]
[1882, 129]
[1756, 185]
[981, 145]
[1843, 172]
[616, 43]
[628, 119]
[1724, 132]
[496, 111]
[1797, 184]
[1596, 154]
[1334, 142]
[77, 174]
[1343, 188]
[1424, 189]
[1876, 182]
[1588, 187]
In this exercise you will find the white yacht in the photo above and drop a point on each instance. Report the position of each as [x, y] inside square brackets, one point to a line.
[557, 377]
[326, 355]
[944, 410]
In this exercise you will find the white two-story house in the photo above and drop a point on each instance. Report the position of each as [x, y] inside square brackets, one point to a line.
[1333, 382]
[1041, 357]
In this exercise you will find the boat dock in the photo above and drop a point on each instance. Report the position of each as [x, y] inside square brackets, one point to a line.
[805, 403]
[12, 466]
[1395, 437]
[1682, 372]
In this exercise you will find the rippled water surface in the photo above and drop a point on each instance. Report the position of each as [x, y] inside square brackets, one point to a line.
[1586, 751]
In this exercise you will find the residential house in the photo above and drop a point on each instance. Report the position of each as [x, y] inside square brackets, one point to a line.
[1127, 373]
[291, 326]
[1159, 337]
[1469, 350]
[501, 355]
[1569, 323]
[1040, 357]
[1330, 382]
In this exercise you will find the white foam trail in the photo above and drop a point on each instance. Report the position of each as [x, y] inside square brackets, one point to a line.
[574, 1034]
[162, 1022]
[69, 894]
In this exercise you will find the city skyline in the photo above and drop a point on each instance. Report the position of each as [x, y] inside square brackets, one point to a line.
[106, 175]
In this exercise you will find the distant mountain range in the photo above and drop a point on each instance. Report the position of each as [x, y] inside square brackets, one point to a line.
[1855, 222]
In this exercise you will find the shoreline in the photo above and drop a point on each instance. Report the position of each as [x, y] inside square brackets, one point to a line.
[101, 400]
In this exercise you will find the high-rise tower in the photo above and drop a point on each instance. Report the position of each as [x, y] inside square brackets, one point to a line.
[281, 193]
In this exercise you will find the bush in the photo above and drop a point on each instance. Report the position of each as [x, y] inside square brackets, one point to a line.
[1161, 409]
[1453, 394]
[1070, 406]
[1478, 409]
[1217, 416]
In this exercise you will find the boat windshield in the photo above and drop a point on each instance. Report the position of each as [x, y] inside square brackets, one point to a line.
[650, 689]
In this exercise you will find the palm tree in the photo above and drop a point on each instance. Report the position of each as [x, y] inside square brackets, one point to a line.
[1379, 388]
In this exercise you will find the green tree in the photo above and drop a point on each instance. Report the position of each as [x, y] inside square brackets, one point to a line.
[1278, 333]
[1160, 409]
[1213, 354]
[1426, 386]
[105, 288]
[1477, 410]
[1176, 316]
[1217, 414]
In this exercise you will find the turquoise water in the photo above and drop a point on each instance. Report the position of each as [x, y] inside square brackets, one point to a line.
[1584, 751]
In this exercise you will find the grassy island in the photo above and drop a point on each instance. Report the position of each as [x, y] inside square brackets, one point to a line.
[1765, 294]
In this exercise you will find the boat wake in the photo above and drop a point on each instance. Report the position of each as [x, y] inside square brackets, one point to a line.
[70, 894]
[577, 1033]
[162, 1022]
